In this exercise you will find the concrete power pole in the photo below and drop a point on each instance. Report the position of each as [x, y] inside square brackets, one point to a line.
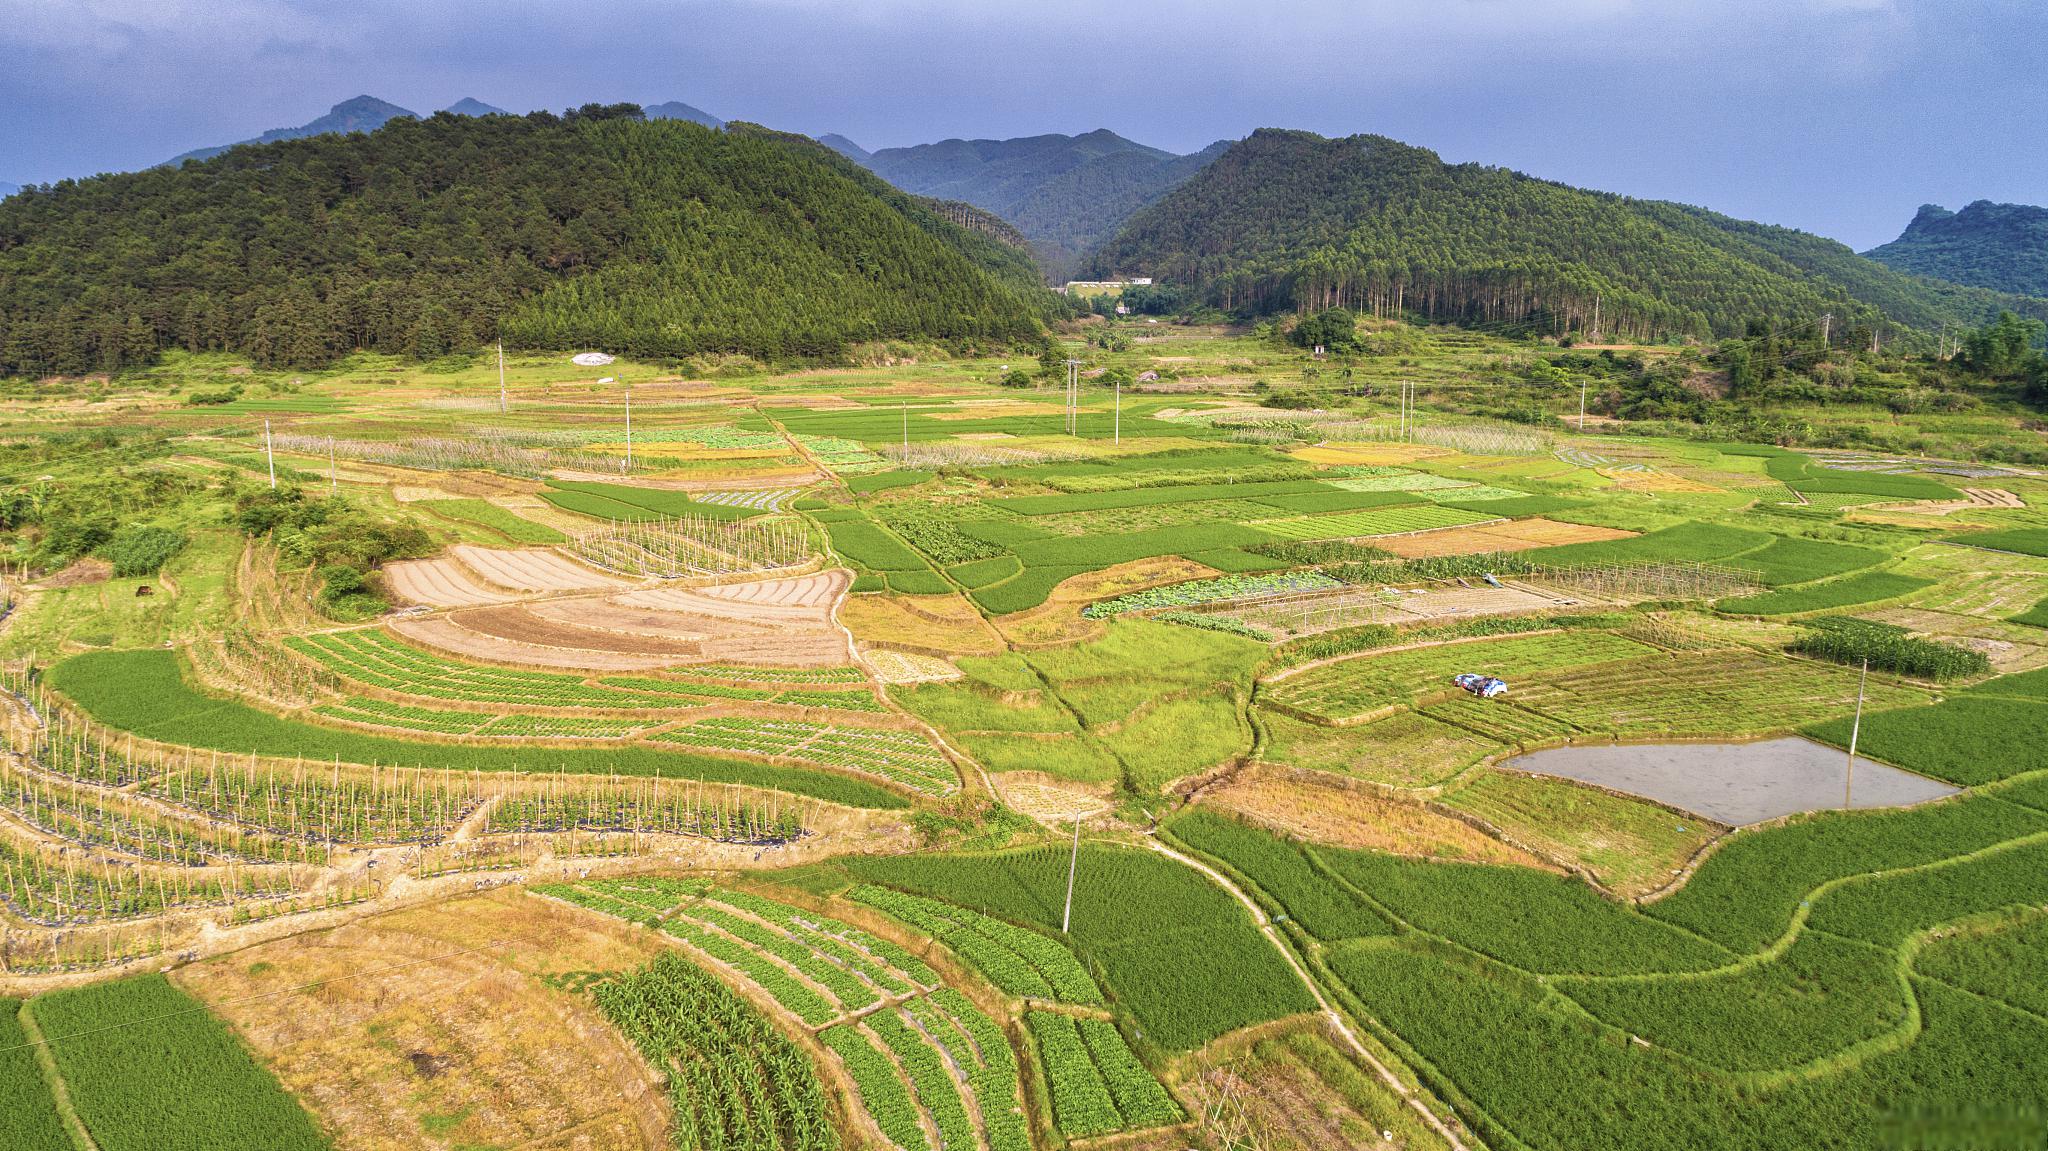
[269, 459]
[1073, 863]
[501, 377]
[1855, 729]
[1827, 320]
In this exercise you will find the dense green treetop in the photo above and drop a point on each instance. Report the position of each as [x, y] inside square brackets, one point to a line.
[593, 229]
[1292, 220]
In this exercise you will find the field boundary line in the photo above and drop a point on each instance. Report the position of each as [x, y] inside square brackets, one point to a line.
[1330, 1012]
[60, 1091]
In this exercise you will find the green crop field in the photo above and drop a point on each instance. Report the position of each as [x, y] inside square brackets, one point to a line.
[780, 856]
[148, 1069]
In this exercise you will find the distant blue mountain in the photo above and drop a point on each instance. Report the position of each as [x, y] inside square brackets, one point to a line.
[846, 147]
[677, 110]
[471, 106]
[362, 114]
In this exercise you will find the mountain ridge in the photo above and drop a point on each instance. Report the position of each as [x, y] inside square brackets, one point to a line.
[2003, 247]
[1293, 220]
[356, 114]
[1064, 193]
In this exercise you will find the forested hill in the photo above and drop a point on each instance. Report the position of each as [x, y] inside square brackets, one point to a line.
[1999, 246]
[1294, 220]
[595, 230]
[1065, 193]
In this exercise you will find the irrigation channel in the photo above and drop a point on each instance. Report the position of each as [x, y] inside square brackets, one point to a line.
[1736, 783]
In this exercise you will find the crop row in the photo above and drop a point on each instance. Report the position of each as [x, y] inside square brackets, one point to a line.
[736, 1082]
[985, 1055]
[373, 658]
[889, 965]
[903, 757]
[1355, 686]
[1081, 1102]
[849, 989]
[936, 1090]
[882, 1093]
[1016, 959]
[740, 674]
[694, 693]
[1212, 590]
[1728, 694]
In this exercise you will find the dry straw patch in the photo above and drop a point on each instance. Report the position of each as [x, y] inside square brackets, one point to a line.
[940, 625]
[1047, 800]
[428, 1028]
[1317, 807]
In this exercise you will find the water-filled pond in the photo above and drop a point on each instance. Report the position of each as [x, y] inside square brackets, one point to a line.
[1736, 783]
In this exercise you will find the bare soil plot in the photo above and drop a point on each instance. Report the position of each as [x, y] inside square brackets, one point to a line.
[941, 625]
[1315, 612]
[439, 582]
[2010, 647]
[1293, 1086]
[1654, 481]
[536, 570]
[1507, 536]
[79, 574]
[816, 590]
[431, 1028]
[606, 615]
[446, 635]
[522, 624]
[1318, 807]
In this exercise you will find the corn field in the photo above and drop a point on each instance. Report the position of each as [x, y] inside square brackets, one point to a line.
[693, 546]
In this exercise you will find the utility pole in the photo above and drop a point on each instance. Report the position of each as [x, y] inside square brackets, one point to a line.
[1855, 729]
[906, 433]
[629, 427]
[501, 377]
[1827, 320]
[1116, 426]
[1073, 862]
[1582, 406]
[1873, 339]
[269, 459]
[1073, 397]
[330, 466]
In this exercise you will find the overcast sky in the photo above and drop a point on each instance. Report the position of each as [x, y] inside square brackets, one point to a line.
[1837, 116]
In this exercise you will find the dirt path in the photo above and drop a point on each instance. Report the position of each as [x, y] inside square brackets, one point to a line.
[1329, 1011]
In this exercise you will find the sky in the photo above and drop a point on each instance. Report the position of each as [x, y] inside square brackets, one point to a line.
[1840, 117]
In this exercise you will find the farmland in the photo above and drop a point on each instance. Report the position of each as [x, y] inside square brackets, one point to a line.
[728, 799]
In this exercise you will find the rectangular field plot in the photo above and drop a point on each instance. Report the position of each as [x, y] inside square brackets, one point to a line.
[374, 658]
[1502, 536]
[1354, 687]
[904, 757]
[1097, 1085]
[1374, 522]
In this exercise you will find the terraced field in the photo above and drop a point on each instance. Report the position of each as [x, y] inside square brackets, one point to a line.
[931, 1069]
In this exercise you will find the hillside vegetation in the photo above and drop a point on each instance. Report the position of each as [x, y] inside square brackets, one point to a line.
[597, 229]
[1294, 220]
[1999, 246]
